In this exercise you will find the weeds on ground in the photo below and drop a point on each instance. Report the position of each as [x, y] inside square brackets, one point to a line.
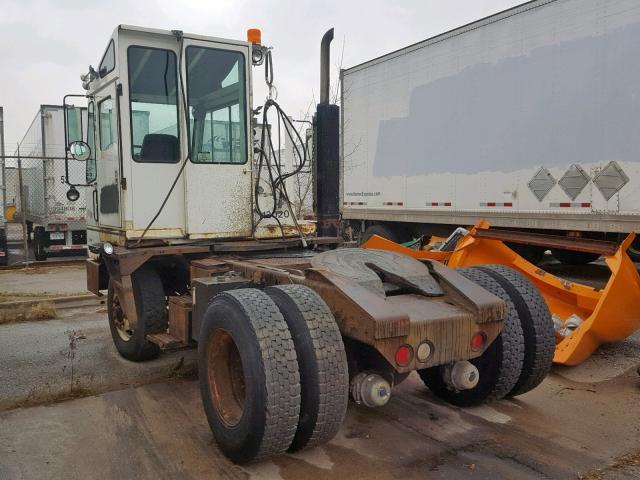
[38, 311]
[6, 297]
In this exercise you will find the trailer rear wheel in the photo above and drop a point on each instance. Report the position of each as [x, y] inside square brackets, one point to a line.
[384, 231]
[569, 257]
[499, 366]
[634, 250]
[322, 361]
[4, 247]
[151, 309]
[530, 253]
[248, 373]
[537, 326]
[39, 244]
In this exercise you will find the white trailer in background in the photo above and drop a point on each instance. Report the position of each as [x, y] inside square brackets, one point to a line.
[54, 223]
[529, 118]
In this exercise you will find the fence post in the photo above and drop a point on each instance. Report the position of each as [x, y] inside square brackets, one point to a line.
[23, 210]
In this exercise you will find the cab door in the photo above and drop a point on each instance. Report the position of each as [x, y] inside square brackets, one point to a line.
[107, 197]
[218, 177]
[151, 147]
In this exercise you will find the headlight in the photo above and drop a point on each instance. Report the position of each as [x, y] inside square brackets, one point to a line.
[107, 248]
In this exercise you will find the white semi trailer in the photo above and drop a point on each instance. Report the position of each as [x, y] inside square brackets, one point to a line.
[529, 119]
[54, 223]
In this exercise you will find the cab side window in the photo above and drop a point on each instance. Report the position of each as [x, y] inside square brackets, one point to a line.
[108, 62]
[106, 116]
[91, 141]
[153, 103]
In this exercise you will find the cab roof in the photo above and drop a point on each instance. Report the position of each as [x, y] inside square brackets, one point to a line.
[193, 36]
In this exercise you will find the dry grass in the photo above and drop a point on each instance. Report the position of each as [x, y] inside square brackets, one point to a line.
[39, 311]
[6, 297]
[40, 270]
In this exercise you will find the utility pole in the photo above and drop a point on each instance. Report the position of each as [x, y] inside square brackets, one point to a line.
[2, 170]
[23, 210]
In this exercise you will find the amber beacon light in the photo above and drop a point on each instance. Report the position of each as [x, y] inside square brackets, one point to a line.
[254, 36]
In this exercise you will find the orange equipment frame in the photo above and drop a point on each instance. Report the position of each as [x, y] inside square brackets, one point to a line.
[610, 314]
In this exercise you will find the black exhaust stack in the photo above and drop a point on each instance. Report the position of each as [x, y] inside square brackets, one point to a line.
[327, 131]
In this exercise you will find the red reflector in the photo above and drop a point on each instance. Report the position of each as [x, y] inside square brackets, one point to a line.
[403, 355]
[478, 341]
[60, 227]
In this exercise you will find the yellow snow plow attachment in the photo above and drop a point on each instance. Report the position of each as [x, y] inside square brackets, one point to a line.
[585, 317]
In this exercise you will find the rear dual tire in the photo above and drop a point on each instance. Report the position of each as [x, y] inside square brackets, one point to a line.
[40, 244]
[273, 372]
[520, 357]
[537, 326]
[322, 362]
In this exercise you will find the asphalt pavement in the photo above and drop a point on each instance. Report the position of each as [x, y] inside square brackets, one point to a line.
[49, 360]
[145, 420]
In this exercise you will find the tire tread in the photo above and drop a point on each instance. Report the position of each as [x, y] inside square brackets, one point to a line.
[280, 364]
[330, 359]
[537, 326]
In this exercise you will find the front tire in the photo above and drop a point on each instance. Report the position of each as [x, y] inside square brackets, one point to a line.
[151, 310]
[248, 373]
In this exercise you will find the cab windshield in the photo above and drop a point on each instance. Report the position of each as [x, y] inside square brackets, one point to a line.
[217, 105]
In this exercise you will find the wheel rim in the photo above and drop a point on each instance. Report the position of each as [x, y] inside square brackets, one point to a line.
[120, 320]
[634, 248]
[226, 377]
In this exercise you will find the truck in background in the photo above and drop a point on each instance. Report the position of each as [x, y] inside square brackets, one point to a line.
[54, 224]
[529, 119]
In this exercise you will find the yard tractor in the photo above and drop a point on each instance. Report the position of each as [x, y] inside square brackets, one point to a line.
[288, 323]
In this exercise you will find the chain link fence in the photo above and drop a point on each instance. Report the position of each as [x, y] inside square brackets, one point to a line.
[39, 221]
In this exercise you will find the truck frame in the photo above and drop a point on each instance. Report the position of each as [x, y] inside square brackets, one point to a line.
[486, 122]
[287, 324]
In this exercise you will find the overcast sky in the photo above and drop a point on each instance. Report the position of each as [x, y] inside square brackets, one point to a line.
[46, 45]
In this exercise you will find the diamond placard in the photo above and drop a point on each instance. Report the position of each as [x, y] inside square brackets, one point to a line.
[574, 180]
[541, 183]
[610, 180]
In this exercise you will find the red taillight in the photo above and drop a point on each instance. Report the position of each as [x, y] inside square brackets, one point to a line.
[478, 340]
[60, 227]
[403, 355]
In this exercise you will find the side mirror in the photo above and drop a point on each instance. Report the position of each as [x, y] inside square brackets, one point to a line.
[73, 194]
[79, 150]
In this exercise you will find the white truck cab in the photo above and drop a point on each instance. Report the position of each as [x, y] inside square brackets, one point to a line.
[148, 83]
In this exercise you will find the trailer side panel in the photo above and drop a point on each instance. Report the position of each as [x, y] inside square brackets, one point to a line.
[529, 118]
